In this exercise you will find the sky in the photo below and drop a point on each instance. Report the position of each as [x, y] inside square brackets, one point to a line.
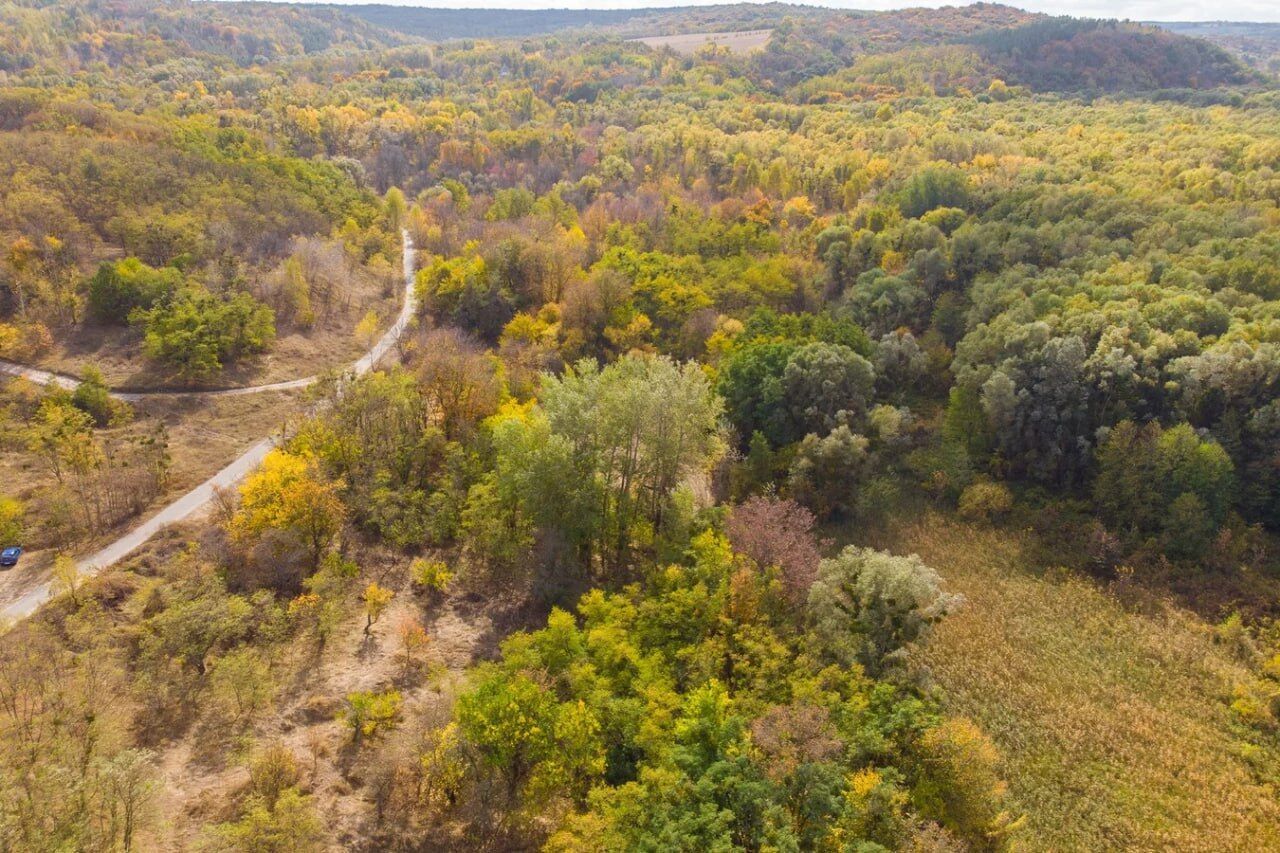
[1137, 10]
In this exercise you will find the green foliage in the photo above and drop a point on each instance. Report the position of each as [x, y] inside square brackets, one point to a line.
[289, 825]
[368, 714]
[431, 575]
[538, 746]
[826, 472]
[93, 397]
[984, 501]
[934, 187]
[195, 333]
[120, 287]
[1151, 480]
[598, 462]
[868, 605]
[702, 719]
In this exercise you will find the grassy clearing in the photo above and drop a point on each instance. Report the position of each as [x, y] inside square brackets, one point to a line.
[1114, 726]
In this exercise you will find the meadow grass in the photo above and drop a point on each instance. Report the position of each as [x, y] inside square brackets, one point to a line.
[1114, 726]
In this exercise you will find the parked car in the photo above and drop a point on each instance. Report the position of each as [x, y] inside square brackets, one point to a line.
[9, 557]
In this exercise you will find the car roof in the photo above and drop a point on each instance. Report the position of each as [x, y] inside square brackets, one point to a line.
[14, 550]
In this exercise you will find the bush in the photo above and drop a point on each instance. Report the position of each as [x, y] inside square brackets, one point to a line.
[985, 501]
[368, 714]
[12, 512]
[92, 397]
[430, 575]
[120, 288]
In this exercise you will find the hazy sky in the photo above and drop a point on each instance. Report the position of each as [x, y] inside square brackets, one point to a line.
[1138, 10]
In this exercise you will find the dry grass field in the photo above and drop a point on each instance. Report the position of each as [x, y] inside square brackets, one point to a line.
[687, 44]
[1114, 726]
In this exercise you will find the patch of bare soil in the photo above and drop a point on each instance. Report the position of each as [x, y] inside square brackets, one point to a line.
[203, 773]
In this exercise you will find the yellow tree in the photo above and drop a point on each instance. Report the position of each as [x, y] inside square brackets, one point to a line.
[375, 598]
[367, 328]
[288, 493]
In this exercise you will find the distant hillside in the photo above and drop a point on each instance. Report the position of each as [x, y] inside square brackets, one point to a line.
[1067, 54]
[1256, 44]
[445, 24]
[70, 35]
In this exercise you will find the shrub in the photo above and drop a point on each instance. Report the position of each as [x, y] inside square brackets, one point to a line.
[12, 512]
[369, 714]
[430, 575]
[985, 500]
[92, 397]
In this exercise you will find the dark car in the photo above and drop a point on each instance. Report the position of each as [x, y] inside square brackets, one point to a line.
[9, 557]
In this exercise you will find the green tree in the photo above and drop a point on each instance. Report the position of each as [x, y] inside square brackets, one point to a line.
[119, 288]
[195, 332]
[868, 605]
[368, 714]
[827, 385]
[825, 473]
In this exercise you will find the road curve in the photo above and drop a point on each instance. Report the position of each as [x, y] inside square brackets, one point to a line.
[197, 498]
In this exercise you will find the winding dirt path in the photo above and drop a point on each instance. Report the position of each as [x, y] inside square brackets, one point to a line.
[187, 505]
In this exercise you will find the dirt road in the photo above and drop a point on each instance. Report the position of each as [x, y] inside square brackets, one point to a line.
[23, 602]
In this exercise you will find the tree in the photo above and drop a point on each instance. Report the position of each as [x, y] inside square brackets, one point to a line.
[868, 605]
[751, 383]
[367, 329]
[93, 397]
[241, 681]
[12, 513]
[290, 825]
[630, 433]
[67, 578]
[375, 599]
[826, 471]
[195, 332]
[121, 287]
[414, 642]
[777, 532]
[933, 187]
[63, 436]
[369, 714]
[129, 785]
[826, 386]
[396, 208]
[1144, 472]
[960, 785]
[984, 500]
[287, 493]
[459, 380]
[538, 747]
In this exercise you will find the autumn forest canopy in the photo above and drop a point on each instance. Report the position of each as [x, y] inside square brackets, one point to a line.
[787, 439]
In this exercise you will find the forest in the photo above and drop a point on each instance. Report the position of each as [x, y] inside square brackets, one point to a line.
[869, 442]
